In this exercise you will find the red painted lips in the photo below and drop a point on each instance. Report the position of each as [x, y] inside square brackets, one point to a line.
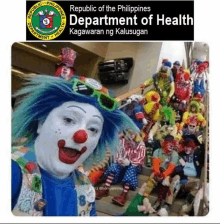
[69, 155]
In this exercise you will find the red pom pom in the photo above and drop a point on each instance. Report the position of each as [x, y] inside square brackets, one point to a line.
[31, 167]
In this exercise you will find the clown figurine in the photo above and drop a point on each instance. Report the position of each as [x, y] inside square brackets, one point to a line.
[163, 82]
[193, 111]
[163, 127]
[183, 90]
[190, 163]
[175, 69]
[67, 124]
[200, 80]
[128, 164]
[192, 128]
[199, 98]
[164, 162]
[134, 109]
[152, 111]
[65, 68]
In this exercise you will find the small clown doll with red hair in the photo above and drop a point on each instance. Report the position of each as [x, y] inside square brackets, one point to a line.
[183, 90]
[65, 69]
[200, 80]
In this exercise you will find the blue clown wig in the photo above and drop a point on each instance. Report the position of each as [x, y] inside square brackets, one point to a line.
[43, 94]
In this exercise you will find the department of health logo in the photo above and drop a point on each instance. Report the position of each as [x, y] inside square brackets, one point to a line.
[46, 20]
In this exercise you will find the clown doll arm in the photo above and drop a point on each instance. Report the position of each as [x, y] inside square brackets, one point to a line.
[139, 114]
[156, 165]
[153, 131]
[169, 170]
[172, 89]
[147, 83]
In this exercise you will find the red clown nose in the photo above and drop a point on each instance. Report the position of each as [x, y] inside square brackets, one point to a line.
[80, 136]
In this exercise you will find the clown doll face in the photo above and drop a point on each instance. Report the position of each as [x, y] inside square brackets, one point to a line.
[188, 149]
[66, 73]
[201, 68]
[67, 137]
[193, 109]
[206, 64]
[168, 146]
[192, 127]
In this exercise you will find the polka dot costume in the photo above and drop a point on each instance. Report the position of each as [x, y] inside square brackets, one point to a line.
[124, 175]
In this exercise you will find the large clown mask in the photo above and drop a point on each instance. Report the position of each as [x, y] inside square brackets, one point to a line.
[67, 137]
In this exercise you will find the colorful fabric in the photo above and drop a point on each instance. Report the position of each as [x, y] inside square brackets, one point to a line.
[166, 159]
[133, 151]
[193, 164]
[199, 86]
[183, 91]
[151, 183]
[126, 175]
[59, 194]
[136, 113]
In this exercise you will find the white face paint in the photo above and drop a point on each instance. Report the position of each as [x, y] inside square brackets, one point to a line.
[58, 150]
[192, 128]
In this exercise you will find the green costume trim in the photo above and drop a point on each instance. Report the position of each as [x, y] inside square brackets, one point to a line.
[132, 209]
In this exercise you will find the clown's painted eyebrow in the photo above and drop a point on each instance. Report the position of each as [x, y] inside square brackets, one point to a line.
[98, 117]
[79, 108]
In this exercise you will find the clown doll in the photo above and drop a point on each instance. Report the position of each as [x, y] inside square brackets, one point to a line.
[193, 111]
[134, 109]
[200, 80]
[67, 124]
[199, 98]
[164, 162]
[65, 68]
[175, 69]
[194, 67]
[163, 82]
[192, 128]
[189, 166]
[165, 60]
[183, 90]
[152, 111]
[165, 126]
[128, 164]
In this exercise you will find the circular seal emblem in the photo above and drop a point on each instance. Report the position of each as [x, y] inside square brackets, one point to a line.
[46, 20]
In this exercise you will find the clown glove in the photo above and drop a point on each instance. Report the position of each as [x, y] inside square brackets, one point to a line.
[166, 181]
[150, 140]
[125, 162]
[146, 207]
[145, 122]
